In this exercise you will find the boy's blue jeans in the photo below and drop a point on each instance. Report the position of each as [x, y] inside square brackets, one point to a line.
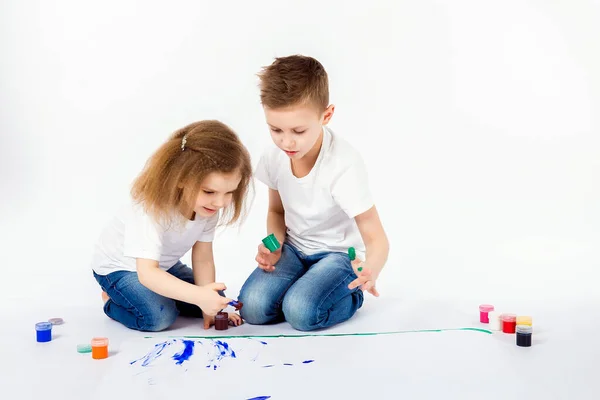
[308, 291]
[138, 307]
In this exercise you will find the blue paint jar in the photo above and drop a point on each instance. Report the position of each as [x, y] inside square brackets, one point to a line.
[44, 331]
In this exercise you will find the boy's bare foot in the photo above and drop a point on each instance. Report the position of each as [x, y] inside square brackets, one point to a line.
[105, 297]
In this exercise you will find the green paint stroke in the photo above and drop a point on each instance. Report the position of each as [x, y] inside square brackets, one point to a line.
[329, 334]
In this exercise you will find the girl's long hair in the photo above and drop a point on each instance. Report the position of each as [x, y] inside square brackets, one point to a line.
[183, 161]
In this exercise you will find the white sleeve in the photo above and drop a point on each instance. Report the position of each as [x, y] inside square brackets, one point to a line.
[142, 236]
[208, 234]
[350, 188]
[264, 170]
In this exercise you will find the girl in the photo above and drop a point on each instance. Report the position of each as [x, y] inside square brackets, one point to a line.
[200, 171]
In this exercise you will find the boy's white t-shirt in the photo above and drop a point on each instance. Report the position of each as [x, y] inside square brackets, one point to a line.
[132, 234]
[320, 207]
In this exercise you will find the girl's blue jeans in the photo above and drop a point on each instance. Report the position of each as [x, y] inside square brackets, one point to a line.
[308, 291]
[137, 307]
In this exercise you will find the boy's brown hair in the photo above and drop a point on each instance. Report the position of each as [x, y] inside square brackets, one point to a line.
[294, 80]
[209, 146]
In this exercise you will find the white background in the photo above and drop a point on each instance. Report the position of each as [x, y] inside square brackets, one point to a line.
[479, 123]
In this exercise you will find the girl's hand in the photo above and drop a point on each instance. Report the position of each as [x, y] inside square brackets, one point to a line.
[209, 320]
[266, 259]
[234, 320]
[210, 301]
[366, 278]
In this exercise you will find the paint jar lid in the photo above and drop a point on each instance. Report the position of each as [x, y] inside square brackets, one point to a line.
[236, 304]
[222, 315]
[56, 321]
[271, 242]
[84, 348]
[493, 314]
[524, 329]
[352, 253]
[486, 308]
[43, 326]
[509, 317]
[523, 320]
[99, 342]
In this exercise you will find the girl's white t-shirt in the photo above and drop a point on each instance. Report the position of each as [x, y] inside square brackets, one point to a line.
[320, 207]
[132, 234]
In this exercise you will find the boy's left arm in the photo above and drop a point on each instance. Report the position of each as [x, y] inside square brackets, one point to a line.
[377, 250]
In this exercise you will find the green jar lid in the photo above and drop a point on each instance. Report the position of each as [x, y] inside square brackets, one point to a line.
[271, 243]
[84, 348]
[352, 253]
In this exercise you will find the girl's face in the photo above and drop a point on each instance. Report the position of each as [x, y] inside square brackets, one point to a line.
[216, 192]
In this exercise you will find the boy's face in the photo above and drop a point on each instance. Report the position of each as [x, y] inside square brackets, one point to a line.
[297, 129]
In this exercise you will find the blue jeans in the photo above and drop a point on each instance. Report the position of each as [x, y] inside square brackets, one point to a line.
[139, 308]
[308, 291]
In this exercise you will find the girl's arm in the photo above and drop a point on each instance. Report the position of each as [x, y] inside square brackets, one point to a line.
[377, 249]
[163, 283]
[203, 263]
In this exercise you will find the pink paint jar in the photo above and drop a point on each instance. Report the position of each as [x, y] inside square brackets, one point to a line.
[484, 309]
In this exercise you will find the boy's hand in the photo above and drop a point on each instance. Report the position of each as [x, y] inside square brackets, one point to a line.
[366, 279]
[266, 259]
[210, 301]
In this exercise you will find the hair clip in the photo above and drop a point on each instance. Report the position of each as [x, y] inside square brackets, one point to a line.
[183, 141]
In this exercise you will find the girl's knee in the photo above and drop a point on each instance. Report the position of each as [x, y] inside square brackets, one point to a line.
[158, 317]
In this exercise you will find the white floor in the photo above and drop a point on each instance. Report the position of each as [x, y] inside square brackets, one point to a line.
[561, 364]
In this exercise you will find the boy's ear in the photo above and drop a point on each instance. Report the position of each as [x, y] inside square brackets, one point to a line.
[328, 114]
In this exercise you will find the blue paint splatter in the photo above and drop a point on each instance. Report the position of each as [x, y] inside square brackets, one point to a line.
[157, 352]
[287, 364]
[217, 350]
[307, 361]
[162, 307]
[154, 354]
[268, 366]
[224, 349]
[260, 398]
[186, 353]
[257, 350]
[221, 350]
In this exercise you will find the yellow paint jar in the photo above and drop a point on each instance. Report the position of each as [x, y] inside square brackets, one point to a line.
[524, 320]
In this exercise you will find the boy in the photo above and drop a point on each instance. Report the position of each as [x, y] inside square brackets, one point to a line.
[319, 206]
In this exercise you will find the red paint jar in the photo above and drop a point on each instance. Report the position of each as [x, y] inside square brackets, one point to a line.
[484, 309]
[509, 323]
